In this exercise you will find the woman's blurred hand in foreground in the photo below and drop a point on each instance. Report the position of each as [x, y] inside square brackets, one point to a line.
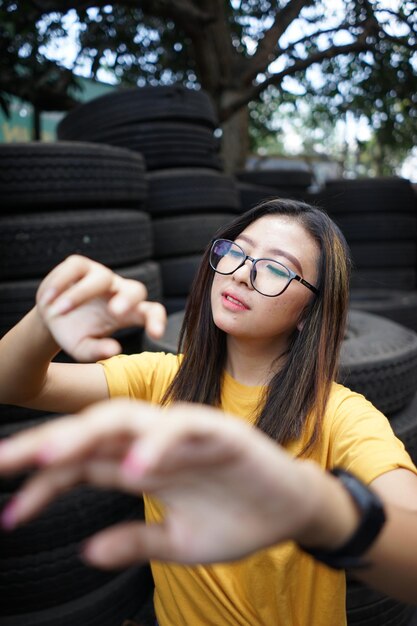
[226, 488]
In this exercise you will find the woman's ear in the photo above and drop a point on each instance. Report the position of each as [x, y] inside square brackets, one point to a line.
[302, 318]
[300, 325]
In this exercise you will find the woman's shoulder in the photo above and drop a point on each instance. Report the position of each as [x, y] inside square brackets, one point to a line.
[339, 393]
[138, 375]
[346, 404]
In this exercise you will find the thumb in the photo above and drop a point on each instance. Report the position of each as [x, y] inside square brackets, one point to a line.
[91, 349]
[127, 544]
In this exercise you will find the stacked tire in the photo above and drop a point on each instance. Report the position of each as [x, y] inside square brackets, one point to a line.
[189, 197]
[71, 198]
[60, 199]
[378, 217]
[262, 183]
[378, 360]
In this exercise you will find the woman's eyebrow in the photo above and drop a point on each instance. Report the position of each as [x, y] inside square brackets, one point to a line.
[276, 252]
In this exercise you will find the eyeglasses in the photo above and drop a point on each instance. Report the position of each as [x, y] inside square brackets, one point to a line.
[267, 276]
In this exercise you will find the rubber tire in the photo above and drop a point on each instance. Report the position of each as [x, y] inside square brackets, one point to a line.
[169, 341]
[372, 226]
[378, 358]
[251, 195]
[277, 178]
[139, 104]
[108, 605]
[166, 144]
[190, 190]
[384, 278]
[178, 274]
[71, 518]
[399, 306]
[363, 195]
[367, 607]
[376, 254]
[404, 424]
[38, 176]
[32, 245]
[186, 234]
[174, 304]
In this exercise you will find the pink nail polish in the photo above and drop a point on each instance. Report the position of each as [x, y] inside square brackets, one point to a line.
[132, 467]
[87, 551]
[47, 455]
[8, 518]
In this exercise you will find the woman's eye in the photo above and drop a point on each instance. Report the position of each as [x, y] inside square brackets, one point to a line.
[277, 271]
[236, 254]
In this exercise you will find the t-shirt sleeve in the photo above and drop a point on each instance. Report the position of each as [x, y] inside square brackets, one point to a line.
[144, 376]
[363, 441]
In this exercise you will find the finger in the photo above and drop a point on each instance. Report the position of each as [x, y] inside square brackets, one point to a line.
[37, 493]
[91, 349]
[74, 437]
[154, 318]
[97, 282]
[62, 277]
[128, 294]
[48, 484]
[183, 442]
[125, 544]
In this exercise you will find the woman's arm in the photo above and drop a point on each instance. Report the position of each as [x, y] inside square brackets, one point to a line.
[228, 490]
[393, 557]
[79, 304]
[28, 378]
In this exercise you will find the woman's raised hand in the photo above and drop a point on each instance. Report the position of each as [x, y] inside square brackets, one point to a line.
[226, 488]
[83, 302]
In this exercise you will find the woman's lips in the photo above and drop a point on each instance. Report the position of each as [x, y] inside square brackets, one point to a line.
[233, 302]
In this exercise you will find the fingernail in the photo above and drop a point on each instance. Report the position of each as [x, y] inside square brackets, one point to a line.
[61, 306]
[132, 466]
[88, 551]
[8, 518]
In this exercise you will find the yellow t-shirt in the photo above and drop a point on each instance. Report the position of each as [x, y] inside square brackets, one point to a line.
[280, 586]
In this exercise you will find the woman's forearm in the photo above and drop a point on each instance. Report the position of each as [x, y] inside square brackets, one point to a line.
[393, 556]
[391, 559]
[25, 354]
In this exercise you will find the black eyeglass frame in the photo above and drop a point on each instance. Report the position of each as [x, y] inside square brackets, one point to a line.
[292, 275]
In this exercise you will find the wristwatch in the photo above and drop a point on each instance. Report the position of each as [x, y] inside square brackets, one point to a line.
[371, 522]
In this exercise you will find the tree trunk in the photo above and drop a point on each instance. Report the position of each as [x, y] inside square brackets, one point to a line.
[36, 128]
[235, 141]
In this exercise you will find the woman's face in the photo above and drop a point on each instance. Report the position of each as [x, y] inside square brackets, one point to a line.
[239, 310]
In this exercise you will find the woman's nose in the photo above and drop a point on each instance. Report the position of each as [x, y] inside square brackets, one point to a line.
[242, 275]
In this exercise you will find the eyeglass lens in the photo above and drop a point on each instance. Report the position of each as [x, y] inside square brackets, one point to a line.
[270, 277]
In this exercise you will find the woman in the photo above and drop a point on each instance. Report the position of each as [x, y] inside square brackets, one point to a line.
[261, 339]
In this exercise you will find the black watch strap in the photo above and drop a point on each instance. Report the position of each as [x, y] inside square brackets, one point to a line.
[371, 522]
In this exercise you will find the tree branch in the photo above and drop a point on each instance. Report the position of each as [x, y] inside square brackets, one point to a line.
[326, 31]
[360, 45]
[266, 50]
[184, 10]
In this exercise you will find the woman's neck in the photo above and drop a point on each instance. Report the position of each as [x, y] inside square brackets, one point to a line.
[250, 363]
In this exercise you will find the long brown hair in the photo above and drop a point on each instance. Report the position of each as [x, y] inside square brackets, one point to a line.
[303, 382]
